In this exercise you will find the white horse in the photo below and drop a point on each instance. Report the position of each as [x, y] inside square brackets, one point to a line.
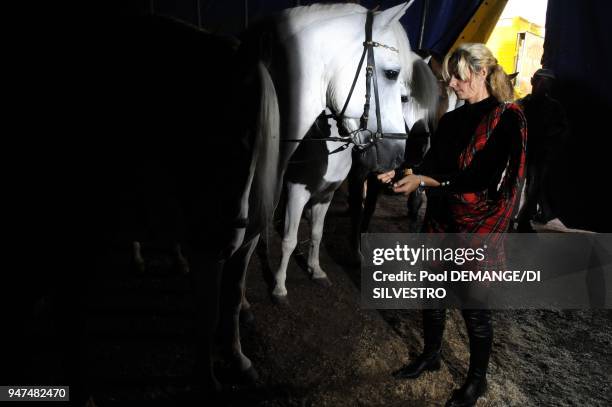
[422, 118]
[306, 60]
[419, 103]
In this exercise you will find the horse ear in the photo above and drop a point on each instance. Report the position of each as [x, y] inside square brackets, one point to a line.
[385, 18]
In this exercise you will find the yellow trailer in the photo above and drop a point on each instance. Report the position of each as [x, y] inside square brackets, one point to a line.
[517, 43]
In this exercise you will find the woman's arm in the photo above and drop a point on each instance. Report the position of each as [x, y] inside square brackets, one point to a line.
[487, 165]
[429, 161]
[411, 183]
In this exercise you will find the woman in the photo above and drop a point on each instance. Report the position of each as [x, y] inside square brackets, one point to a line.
[471, 173]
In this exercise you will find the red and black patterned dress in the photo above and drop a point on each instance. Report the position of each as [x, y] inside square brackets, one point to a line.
[478, 156]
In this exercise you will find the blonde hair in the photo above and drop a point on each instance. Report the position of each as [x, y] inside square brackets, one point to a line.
[472, 58]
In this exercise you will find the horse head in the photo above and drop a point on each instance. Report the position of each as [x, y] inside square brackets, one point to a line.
[392, 57]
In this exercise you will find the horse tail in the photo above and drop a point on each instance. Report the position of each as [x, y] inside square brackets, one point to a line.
[266, 179]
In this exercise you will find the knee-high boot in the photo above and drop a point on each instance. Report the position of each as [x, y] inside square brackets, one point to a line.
[429, 359]
[480, 332]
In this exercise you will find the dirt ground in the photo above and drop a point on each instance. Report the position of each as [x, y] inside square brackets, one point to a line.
[322, 349]
[330, 352]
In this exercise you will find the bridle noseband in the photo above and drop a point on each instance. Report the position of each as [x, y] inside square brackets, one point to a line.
[352, 136]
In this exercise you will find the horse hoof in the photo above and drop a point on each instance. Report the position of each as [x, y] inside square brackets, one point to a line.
[90, 402]
[232, 376]
[247, 317]
[280, 299]
[322, 281]
[183, 268]
[139, 267]
[209, 392]
[249, 376]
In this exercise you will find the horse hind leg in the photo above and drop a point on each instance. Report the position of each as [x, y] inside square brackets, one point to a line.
[232, 288]
[319, 210]
[246, 314]
[207, 272]
[297, 197]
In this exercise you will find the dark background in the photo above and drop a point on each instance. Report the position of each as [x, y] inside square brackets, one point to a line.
[577, 48]
[61, 149]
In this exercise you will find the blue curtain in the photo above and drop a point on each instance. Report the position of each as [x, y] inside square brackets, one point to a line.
[577, 44]
[578, 48]
[444, 22]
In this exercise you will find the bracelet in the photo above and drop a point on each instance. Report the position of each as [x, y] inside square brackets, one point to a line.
[422, 185]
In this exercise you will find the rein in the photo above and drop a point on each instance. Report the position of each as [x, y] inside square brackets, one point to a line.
[352, 137]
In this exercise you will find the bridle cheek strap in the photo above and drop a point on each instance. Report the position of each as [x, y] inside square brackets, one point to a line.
[371, 78]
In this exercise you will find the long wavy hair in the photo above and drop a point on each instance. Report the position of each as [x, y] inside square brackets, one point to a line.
[471, 58]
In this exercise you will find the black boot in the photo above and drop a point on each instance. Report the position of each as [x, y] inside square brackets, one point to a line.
[468, 394]
[480, 331]
[429, 360]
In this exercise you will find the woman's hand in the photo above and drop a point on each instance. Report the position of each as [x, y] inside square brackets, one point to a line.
[407, 185]
[386, 177]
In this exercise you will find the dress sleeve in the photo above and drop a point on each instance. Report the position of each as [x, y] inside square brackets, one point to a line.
[489, 163]
[433, 163]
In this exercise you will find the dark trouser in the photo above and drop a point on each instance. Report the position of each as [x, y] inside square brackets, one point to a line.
[480, 332]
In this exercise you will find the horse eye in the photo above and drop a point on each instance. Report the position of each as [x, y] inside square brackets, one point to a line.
[404, 99]
[391, 74]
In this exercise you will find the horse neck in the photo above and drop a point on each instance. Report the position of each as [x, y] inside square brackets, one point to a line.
[300, 18]
[313, 43]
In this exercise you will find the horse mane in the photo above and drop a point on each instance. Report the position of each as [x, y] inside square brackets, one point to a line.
[406, 55]
[417, 76]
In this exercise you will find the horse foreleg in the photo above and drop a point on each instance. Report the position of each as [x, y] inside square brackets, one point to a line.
[207, 280]
[232, 287]
[319, 210]
[417, 204]
[355, 201]
[374, 188]
[297, 197]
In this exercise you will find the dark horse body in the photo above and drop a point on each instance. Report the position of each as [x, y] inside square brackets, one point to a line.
[151, 101]
[154, 147]
[178, 120]
[184, 98]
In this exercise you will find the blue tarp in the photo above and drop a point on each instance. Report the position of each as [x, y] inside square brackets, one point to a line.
[578, 48]
[445, 18]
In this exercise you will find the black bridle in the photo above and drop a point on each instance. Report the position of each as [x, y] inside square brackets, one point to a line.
[352, 137]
